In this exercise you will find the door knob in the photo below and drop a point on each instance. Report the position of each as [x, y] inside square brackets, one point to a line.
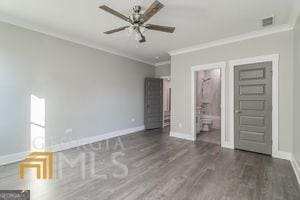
[237, 111]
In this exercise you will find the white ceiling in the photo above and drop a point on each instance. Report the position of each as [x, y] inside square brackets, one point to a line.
[196, 22]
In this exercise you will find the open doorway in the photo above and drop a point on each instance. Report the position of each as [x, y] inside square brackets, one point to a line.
[166, 102]
[208, 105]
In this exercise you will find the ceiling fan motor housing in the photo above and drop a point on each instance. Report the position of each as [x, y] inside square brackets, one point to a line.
[136, 16]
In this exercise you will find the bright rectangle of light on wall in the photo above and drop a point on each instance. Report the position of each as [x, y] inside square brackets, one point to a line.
[37, 123]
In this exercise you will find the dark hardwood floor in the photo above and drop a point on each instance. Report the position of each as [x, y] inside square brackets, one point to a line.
[161, 167]
[213, 136]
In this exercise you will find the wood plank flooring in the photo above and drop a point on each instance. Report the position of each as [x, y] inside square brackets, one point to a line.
[213, 136]
[163, 168]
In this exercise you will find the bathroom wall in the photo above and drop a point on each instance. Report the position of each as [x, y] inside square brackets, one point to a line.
[209, 94]
[212, 87]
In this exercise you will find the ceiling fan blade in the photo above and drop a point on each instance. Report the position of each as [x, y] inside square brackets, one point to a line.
[152, 10]
[167, 29]
[114, 12]
[116, 30]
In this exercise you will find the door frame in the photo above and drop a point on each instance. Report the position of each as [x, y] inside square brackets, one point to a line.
[169, 79]
[194, 69]
[274, 58]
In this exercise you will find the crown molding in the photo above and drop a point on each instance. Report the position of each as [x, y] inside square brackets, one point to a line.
[35, 28]
[163, 63]
[238, 38]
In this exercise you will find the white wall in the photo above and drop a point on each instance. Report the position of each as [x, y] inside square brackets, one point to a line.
[281, 43]
[89, 91]
[296, 139]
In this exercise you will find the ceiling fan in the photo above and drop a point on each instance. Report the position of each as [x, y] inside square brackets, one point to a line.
[137, 21]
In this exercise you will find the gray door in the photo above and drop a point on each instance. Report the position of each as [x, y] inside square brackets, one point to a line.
[153, 116]
[253, 107]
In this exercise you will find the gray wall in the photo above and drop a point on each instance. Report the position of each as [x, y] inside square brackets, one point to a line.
[90, 91]
[163, 70]
[281, 43]
[297, 92]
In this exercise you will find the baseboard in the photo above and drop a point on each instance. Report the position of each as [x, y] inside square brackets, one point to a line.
[227, 145]
[7, 159]
[84, 141]
[296, 166]
[182, 136]
[11, 158]
[282, 155]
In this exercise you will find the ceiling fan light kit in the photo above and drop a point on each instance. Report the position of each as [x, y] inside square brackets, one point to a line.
[137, 21]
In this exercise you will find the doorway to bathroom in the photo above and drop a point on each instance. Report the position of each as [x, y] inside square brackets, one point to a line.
[208, 103]
[166, 101]
[208, 106]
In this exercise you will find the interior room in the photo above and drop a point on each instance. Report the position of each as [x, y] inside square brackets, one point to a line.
[149, 100]
[166, 102]
[208, 105]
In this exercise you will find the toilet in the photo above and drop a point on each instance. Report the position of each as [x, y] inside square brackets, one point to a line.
[206, 123]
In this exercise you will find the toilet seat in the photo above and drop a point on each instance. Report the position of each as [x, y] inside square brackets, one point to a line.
[206, 124]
